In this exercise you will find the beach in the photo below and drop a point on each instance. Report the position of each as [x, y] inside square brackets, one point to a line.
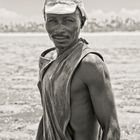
[20, 103]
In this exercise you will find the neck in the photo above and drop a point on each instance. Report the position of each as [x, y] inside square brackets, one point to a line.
[61, 50]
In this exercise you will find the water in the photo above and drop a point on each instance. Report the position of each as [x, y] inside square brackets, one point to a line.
[20, 107]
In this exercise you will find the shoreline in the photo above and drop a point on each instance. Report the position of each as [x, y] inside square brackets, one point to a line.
[82, 33]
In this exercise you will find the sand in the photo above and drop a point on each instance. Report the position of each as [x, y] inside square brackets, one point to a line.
[20, 106]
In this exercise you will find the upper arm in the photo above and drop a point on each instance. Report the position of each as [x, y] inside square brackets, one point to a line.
[96, 77]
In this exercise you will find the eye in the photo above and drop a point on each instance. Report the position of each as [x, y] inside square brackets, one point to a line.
[51, 20]
[70, 20]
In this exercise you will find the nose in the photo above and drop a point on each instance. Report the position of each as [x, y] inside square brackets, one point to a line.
[60, 29]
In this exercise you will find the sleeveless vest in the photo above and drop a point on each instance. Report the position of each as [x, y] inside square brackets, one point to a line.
[54, 85]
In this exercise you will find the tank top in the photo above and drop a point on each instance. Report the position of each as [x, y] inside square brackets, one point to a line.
[54, 84]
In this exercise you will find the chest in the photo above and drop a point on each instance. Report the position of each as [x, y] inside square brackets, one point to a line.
[79, 93]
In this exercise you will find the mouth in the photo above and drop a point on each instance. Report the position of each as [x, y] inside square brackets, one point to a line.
[60, 37]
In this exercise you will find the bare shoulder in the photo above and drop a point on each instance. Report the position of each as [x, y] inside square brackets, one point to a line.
[92, 60]
[93, 69]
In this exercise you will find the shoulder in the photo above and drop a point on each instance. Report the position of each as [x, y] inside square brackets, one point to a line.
[92, 58]
[47, 56]
[93, 69]
[92, 62]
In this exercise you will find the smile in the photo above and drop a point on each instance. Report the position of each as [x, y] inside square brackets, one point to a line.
[60, 37]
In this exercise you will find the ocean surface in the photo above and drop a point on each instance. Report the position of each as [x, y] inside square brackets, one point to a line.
[20, 106]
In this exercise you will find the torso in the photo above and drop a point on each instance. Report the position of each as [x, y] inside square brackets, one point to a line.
[83, 120]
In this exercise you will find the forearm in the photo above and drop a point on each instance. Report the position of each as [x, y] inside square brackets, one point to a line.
[111, 134]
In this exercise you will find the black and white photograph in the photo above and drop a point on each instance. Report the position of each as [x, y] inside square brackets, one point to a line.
[69, 70]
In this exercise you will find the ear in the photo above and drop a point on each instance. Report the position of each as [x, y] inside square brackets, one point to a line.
[83, 19]
[44, 14]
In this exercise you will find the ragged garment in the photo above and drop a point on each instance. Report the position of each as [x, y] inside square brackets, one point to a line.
[54, 85]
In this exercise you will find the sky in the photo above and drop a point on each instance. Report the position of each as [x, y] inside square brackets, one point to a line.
[33, 8]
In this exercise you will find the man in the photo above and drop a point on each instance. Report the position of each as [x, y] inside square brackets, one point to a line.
[76, 93]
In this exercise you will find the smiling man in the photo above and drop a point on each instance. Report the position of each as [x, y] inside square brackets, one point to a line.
[74, 83]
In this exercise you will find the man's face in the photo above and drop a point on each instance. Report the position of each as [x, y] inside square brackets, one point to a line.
[64, 29]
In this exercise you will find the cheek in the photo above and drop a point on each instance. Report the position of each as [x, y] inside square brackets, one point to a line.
[48, 28]
[75, 31]
[49, 31]
[76, 28]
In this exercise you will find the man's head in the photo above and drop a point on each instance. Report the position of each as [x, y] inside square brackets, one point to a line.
[63, 25]
[64, 7]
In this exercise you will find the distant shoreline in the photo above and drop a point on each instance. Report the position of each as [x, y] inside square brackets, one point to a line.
[82, 34]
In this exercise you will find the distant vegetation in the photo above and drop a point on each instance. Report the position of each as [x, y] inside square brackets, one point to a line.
[93, 25]
[116, 24]
[22, 27]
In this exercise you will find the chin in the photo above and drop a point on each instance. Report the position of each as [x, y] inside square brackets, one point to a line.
[62, 44]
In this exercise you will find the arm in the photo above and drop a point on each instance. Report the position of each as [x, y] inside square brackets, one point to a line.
[97, 80]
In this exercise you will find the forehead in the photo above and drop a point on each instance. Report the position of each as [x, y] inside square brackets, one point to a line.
[76, 14]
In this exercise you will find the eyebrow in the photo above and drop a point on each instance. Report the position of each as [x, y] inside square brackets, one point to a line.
[74, 15]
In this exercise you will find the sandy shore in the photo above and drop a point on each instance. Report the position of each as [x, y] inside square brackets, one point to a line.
[20, 106]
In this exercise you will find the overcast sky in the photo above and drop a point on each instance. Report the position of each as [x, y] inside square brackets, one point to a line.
[34, 7]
